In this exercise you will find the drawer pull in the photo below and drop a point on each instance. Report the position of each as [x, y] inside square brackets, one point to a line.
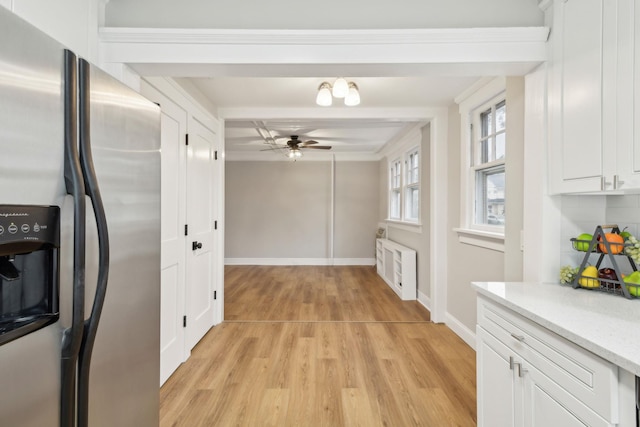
[512, 363]
[518, 337]
[521, 370]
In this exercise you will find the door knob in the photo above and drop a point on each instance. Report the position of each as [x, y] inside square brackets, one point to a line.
[196, 245]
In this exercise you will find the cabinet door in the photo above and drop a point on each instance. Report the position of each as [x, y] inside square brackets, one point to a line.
[576, 88]
[497, 396]
[628, 95]
[547, 404]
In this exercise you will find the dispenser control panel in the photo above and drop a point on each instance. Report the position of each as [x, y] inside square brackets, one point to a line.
[28, 223]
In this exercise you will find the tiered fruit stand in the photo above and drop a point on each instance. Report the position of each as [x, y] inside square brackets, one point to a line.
[615, 286]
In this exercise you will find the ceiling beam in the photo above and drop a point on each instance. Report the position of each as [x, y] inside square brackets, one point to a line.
[148, 50]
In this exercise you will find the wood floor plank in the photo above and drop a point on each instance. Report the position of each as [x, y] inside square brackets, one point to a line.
[357, 408]
[321, 346]
[273, 408]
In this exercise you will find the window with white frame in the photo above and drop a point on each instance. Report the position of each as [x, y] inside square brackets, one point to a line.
[404, 187]
[488, 135]
[483, 116]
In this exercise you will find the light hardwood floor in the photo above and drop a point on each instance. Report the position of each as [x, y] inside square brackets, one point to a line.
[321, 346]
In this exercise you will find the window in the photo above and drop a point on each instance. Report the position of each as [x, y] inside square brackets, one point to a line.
[488, 133]
[394, 189]
[404, 187]
[483, 116]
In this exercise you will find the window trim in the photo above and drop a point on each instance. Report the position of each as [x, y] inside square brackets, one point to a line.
[393, 189]
[479, 98]
[408, 169]
[402, 156]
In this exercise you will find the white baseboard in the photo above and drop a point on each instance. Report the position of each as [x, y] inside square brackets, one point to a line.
[461, 330]
[300, 261]
[424, 299]
[452, 323]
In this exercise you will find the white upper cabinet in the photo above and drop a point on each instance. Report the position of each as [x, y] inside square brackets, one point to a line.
[628, 101]
[593, 89]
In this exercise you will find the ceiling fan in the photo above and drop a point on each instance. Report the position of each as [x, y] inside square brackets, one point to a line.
[294, 145]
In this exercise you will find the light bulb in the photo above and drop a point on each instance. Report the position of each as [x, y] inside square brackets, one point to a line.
[353, 97]
[324, 98]
[340, 88]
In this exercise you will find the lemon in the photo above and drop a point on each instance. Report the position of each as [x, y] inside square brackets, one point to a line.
[589, 277]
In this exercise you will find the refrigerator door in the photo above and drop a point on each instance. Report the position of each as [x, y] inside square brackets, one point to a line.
[125, 366]
[31, 172]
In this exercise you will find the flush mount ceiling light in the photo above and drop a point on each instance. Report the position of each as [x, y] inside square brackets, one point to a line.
[340, 89]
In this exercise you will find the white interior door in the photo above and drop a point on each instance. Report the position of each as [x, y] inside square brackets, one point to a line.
[200, 239]
[173, 211]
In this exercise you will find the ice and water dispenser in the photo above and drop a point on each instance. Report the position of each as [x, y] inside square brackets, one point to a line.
[29, 250]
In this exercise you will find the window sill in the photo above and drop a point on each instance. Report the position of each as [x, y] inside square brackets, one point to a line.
[414, 227]
[483, 239]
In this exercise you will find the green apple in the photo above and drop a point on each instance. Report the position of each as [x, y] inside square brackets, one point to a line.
[633, 280]
[625, 234]
[582, 242]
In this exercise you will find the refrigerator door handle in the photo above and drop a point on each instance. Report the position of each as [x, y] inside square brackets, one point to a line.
[72, 336]
[93, 191]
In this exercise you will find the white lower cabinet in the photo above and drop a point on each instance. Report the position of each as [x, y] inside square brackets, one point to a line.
[529, 376]
[396, 264]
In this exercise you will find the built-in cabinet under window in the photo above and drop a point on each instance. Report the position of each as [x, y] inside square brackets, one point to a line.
[396, 264]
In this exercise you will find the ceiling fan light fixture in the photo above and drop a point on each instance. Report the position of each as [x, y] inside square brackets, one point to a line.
[353, 96]
[340, 88]
[294, 154]
[324, 97]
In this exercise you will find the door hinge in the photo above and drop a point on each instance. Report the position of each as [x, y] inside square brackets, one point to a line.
[215, 225]
[215, 294]
[215, 155]
[184, 321]
[186, 229]
[186, 139]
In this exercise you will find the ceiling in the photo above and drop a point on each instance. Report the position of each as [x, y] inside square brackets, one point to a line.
[260, 66]
[349, 130]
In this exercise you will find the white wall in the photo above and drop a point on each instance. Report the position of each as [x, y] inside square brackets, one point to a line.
[581, 214]
[304, 212]
[467, 263]
[514, 192]
[355, 203]
[330, 14]
[418, 240]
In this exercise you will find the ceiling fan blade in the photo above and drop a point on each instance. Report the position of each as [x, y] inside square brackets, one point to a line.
[274, 148]
[319, 147]
[309, 142]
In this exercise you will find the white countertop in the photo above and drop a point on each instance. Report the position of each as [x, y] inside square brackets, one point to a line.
[605, 324]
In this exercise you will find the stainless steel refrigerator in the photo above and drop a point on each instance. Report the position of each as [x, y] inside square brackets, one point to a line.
[79, 240]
